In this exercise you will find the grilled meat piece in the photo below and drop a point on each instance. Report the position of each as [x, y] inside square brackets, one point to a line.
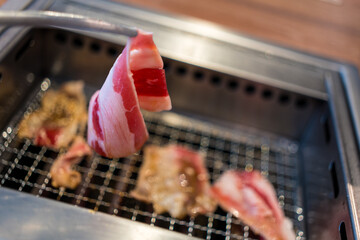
[61, 116]
[174, 179]
[251, 198]
[62, 173]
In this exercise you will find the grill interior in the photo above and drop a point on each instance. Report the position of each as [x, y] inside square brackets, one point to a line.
[106, 183]
[236, 122]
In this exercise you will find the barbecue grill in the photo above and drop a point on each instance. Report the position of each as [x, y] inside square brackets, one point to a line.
[245, 104]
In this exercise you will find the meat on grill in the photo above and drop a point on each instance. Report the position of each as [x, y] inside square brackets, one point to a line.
[174, 179]
[61, 116]
[62, 173]
[116, 126]
[251, 198]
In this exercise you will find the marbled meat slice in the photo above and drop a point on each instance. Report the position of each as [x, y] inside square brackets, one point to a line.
[251, 198]
[62, 172]
[174, 179]
[61, 116]
[116, 127]
[149, 76]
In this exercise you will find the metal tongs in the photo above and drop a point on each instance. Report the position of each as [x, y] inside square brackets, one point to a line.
[63, 20]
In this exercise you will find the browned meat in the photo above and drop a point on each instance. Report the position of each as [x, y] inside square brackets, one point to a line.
[61, 171]
[174, 179]
[61, 116]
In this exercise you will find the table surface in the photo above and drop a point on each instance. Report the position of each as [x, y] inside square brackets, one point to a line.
[329, 28]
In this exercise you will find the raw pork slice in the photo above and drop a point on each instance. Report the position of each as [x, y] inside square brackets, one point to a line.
[149, 77]
[174, 179]
[251, 198]
[61, 116]
[61, 171]
[116, 126]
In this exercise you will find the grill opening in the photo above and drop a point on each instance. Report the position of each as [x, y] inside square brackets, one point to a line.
[334, 179]
[198, 75]
[267, 94]
[326, 127]
[181, 71]
[232, 85]
[95, 47]
[250, 89]
[77, 42]
[112, 52]
[301, 103]
[215, 80]
[342, 231]
[284, 99]
[61, 38]
[213, 113]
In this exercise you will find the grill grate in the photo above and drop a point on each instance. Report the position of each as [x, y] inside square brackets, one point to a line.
[106, 183]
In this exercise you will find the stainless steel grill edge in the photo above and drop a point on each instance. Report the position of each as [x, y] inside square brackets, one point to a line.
[242, 102]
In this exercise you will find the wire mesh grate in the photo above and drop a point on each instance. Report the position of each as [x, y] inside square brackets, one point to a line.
[106, 183]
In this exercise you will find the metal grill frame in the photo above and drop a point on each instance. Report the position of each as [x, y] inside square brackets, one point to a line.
[336, 83]
[106, 183]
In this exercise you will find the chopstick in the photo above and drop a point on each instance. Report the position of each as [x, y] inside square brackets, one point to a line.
[63, 20]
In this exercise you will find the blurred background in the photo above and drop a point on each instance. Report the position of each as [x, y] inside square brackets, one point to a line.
[330, 28]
